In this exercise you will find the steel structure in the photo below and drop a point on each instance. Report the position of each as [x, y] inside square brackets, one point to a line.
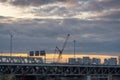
[58, 69]
[60, 51]
[35, 67]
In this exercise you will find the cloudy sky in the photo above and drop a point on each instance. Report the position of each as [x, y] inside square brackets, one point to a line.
[44, 24]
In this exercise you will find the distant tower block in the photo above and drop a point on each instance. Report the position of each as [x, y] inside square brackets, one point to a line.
[118, 60]
[31, 53]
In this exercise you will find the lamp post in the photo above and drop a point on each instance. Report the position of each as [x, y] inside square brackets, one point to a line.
[74, 48]
[11, 44]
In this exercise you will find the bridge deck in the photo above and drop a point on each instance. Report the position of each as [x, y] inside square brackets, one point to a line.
[35, 66]
[58, 69]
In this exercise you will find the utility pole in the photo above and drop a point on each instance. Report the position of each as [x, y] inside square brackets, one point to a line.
[74, 47]
[11, 44]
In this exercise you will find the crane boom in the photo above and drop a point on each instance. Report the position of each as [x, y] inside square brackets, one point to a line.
[64, 45]
[61, 50]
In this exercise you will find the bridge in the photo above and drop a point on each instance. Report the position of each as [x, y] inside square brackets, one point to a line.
[37, 70]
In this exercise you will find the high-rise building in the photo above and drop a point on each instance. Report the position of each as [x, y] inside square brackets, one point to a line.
[75, 61]
[118, 60]
[86, 60]
[96, 61]
[79, 61]
[106, 62]
[72, 60]
[110, 61]
[113, 61]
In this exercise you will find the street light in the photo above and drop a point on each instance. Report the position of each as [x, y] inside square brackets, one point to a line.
[11, 43]
[74, 48]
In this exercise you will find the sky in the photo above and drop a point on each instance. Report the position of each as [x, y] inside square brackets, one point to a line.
[44, 24]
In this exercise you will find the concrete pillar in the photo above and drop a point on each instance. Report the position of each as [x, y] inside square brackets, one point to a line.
[40, 78]
[37, 78]
[88, 77]
[109, 77]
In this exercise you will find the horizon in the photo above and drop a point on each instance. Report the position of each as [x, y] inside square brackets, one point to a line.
[51, 57]
[72, 53]
[56, 54]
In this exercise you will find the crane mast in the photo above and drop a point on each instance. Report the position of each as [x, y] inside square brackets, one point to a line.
[60, 51]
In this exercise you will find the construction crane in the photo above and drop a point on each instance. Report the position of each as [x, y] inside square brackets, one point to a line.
[60, 51]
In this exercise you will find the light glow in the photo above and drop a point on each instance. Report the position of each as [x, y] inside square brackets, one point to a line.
[52, 57]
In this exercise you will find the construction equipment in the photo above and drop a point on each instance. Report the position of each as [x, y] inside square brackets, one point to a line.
[60, 51]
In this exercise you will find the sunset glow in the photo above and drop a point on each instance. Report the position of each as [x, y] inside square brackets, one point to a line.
[53, 57]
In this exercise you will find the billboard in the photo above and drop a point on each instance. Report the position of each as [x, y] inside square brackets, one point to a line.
[31, 53]
[36, 53]
[42, 53]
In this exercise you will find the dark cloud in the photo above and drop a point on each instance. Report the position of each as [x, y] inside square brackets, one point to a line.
[3, 17]
[110, 4]
[91, 36]
[112, 15]
[99, 46]
[91, 5]
[31, 2]
[3, 0]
